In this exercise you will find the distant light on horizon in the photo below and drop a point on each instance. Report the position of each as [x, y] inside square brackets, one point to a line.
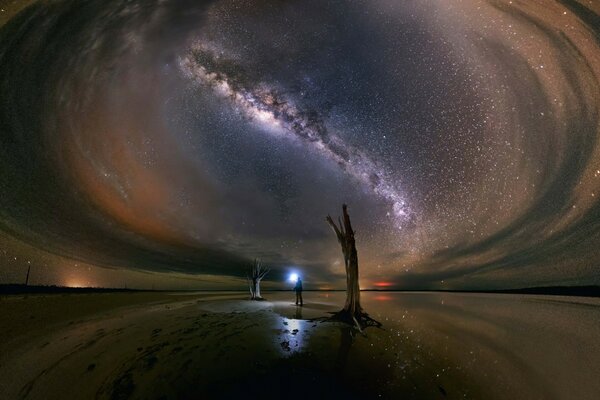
[293, 277]
[72, 283]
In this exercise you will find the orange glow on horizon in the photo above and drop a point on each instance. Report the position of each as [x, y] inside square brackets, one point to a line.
[76, 283]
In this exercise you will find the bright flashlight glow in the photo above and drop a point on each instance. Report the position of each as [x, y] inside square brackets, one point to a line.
[293, 277]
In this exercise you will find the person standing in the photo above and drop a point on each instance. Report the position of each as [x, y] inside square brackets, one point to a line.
[298, 290]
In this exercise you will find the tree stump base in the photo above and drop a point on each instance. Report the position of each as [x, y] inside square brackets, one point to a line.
[258, 299]
[360, 319]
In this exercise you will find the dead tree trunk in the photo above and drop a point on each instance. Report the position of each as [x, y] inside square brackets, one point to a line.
[345, 236]
[256, 273]
[352, 311]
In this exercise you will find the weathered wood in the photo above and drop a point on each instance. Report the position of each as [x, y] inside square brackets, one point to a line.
[345, 236]
[256, 273]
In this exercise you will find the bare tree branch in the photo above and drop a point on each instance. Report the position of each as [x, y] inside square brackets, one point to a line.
[256, 272]
[338, 234]
[352, 312]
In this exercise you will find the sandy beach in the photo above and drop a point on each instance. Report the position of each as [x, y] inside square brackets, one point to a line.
[220, 345]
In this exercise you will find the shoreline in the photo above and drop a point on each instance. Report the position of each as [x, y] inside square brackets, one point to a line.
[574, 291]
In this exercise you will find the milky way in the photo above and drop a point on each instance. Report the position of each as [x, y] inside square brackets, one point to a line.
[145, 141]
[272, 109]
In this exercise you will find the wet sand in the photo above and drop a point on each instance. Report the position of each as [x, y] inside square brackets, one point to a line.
[220, 345]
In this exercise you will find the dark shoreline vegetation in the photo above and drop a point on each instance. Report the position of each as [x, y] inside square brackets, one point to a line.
[580, 291]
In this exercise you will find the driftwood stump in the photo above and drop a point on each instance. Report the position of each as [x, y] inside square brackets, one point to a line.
[352, 312]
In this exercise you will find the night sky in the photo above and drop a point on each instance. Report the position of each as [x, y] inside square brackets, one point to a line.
[167, 143]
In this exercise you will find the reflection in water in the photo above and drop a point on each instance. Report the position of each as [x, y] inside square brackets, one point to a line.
[298, 314]
[294, 335]
[346, 340]
[456, 345]
[433, 345]
[519, 345]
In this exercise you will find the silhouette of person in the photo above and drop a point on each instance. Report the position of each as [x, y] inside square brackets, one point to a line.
[298, 290]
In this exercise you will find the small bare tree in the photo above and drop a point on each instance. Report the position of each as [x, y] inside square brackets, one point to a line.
[352, 311]
[256, 272]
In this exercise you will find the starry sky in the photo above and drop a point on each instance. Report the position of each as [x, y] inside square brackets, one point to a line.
[165, 143]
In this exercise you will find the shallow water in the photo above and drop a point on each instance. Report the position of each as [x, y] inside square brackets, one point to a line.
[499, 345]
[193, 345]
[529, 346]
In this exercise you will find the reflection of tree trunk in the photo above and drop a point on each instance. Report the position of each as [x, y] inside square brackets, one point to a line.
[256, 273]
[346, 340]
